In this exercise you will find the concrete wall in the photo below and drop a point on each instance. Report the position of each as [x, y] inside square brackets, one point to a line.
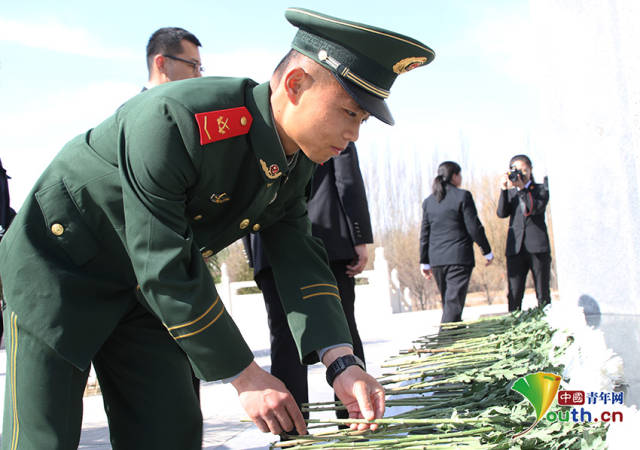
[589, 63]
[590, 128]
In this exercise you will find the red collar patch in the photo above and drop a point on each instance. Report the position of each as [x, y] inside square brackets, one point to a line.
[223, 124]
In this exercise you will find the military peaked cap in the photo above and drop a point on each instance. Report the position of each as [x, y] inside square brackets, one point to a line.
[365, 60]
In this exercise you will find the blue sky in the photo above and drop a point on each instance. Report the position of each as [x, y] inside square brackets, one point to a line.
[64, 66]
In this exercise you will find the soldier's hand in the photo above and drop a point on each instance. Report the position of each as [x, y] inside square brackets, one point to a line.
[358, 264]
[268, 402]
[427, 273]
[362, 395]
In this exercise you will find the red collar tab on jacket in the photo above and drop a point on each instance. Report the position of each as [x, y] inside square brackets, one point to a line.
[223, 124]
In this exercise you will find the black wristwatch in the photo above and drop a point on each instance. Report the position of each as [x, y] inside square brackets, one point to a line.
[340, 365]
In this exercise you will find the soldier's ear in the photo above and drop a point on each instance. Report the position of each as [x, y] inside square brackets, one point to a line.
[295, 81]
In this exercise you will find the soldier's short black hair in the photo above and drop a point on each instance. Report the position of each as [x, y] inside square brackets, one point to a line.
[284, 63]
[168, 40]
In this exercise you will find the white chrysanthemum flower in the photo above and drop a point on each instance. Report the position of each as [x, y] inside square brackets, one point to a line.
[589, 365]
[562, 315]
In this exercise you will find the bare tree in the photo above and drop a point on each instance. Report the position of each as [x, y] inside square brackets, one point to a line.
[489, 279]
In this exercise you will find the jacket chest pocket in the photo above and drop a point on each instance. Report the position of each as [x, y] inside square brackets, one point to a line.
[65, 224]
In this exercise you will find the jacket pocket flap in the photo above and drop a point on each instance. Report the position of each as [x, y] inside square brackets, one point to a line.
[65, 224]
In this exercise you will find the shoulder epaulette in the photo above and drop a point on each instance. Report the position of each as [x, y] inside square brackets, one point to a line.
[223, 124]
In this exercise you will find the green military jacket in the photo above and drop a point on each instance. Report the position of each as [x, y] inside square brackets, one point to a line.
[126, 211]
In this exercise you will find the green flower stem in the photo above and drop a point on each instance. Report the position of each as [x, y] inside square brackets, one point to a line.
[373, 439]
[456, 386]
[394, 421]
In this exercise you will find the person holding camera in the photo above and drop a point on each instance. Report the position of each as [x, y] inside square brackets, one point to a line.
[524, 201]
[450, 226]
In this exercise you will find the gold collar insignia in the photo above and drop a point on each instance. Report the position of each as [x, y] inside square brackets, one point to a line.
[272, 172]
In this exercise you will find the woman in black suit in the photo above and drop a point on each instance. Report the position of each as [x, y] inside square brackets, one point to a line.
[450, 226]
[524, 202]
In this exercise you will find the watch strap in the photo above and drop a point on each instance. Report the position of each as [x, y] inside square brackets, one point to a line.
[341, 364]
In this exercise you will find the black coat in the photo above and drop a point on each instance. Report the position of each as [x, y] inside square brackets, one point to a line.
[527, 228]
[6, 213]
[337, 208]
[449, 229]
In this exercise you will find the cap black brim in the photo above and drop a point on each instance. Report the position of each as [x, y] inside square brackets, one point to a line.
[375, 106]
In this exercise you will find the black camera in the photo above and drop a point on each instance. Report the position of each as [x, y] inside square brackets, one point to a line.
[514, 175]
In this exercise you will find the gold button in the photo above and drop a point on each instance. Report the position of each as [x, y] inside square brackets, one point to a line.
[198, 217]
[207, 253]
[256, 227]
[57, 229]
[244, 224]
[243, 121]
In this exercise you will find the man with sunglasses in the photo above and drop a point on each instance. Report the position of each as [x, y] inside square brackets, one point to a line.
[172, 54]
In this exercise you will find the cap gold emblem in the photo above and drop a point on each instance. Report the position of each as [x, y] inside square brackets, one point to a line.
[407, 64]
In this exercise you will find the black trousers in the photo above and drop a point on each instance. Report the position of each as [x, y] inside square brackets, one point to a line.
[518, 267]
[453, 282]
[285, 363]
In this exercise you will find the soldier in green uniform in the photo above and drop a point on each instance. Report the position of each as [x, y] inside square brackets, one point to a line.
[104, 262]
